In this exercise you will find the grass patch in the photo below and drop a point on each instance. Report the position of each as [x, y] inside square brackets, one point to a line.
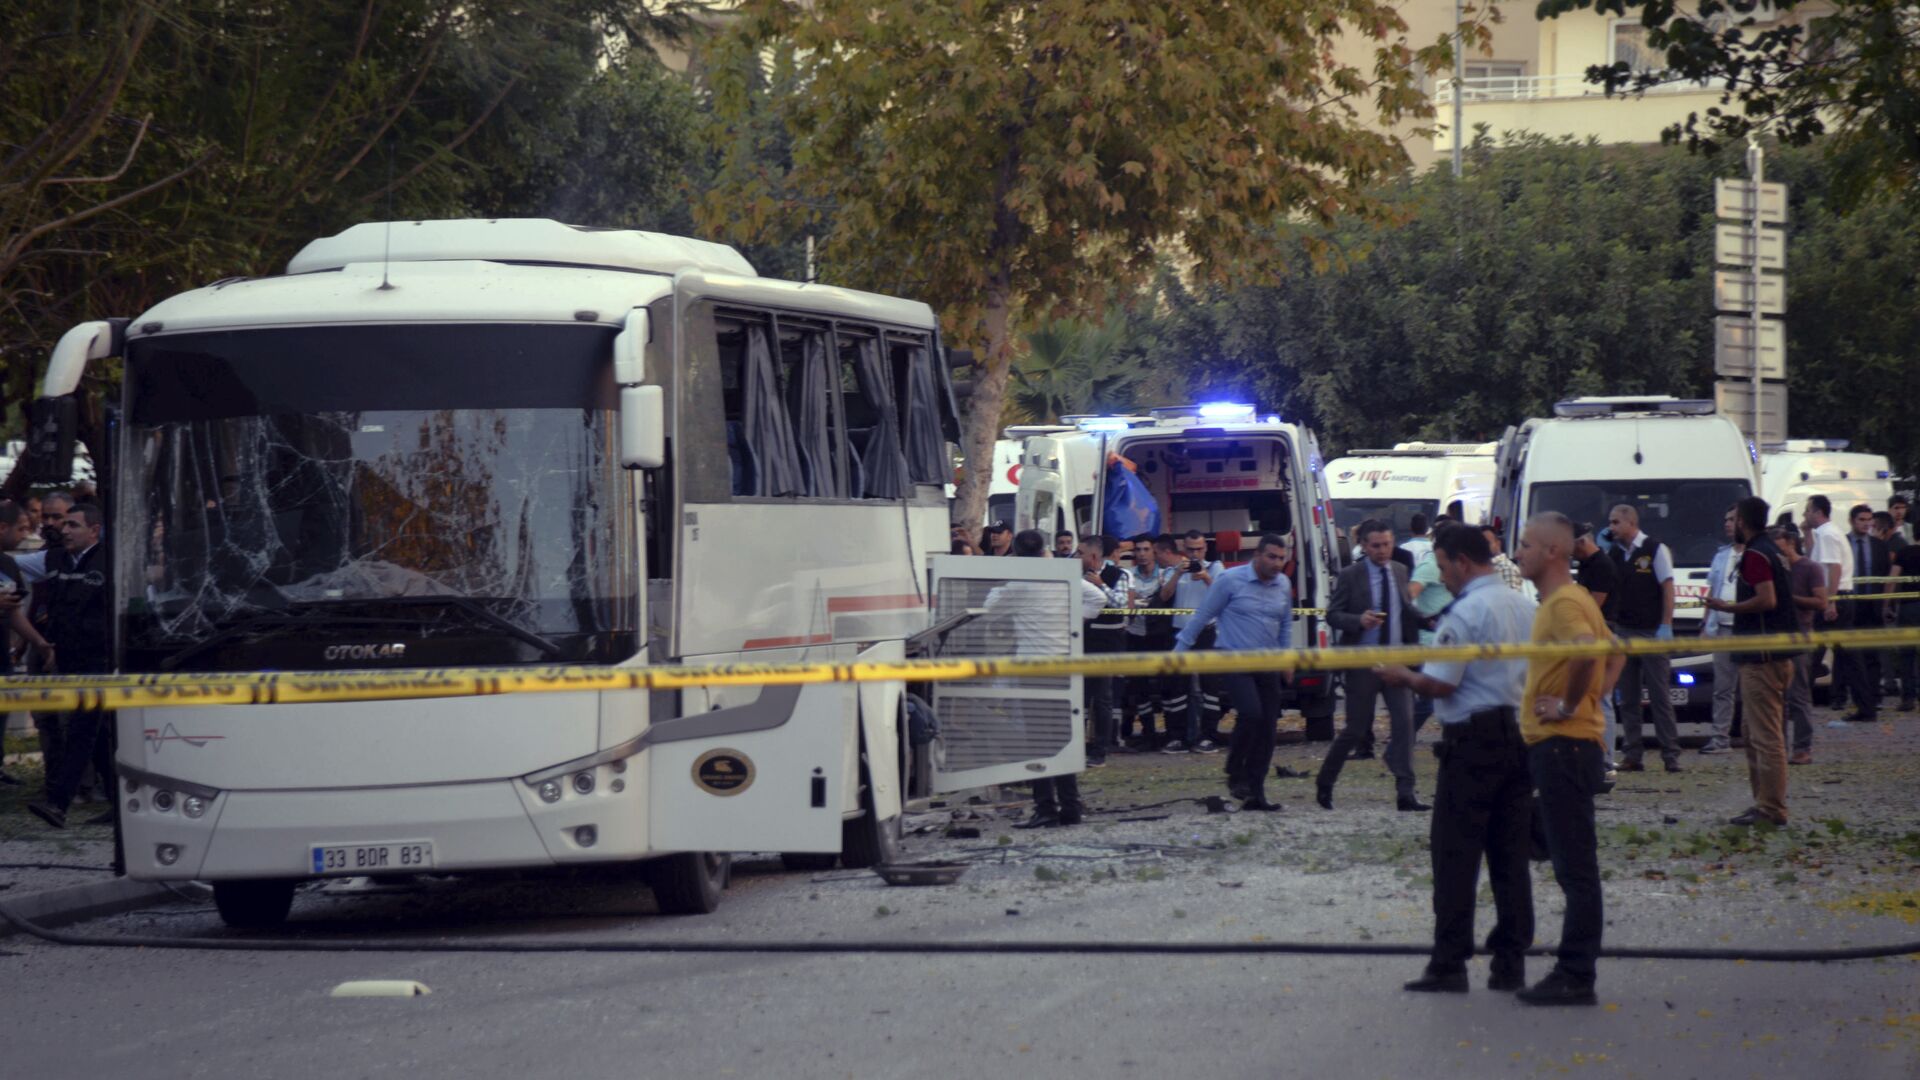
[1900, 904]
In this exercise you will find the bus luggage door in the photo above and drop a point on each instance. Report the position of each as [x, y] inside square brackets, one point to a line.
[1006, 729]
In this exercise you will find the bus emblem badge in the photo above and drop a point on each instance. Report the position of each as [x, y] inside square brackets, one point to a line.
[723, 772]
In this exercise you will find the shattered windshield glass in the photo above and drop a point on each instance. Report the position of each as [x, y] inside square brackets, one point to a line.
[450, 490]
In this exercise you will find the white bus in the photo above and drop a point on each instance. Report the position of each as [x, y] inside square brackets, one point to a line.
[1429, 479]
[1676, 461]
[518, 442]
[1219, 468]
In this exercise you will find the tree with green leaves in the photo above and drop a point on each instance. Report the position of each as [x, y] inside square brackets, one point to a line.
[149, 147]
[1791, 70]
[1554, 269]
[1010, 160]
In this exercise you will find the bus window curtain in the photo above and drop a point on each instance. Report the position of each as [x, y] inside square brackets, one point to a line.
[925, 446]
[768, 433]
[881, 461]
[813, 420]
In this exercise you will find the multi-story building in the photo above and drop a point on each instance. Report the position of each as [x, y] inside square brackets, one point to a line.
[1536, 80]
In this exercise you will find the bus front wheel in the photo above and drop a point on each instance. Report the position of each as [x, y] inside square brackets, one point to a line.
[253, 905]
[689, 883]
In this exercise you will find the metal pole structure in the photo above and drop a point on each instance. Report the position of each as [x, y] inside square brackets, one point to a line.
[1459, 74]
[1756, 169]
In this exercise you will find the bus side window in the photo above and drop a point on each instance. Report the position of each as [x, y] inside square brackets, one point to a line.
[916, 384]
[877, 469]
[760, 445]
[808, 385]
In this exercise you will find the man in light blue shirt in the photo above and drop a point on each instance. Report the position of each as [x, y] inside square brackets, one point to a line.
[1481, 802]
[1251, 608]
[1726, 673]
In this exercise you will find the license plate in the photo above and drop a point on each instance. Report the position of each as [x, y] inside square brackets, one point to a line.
[396, 857]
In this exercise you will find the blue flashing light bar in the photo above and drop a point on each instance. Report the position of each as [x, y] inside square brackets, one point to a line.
[1225, 410]
[1684, 678]
[1097, 423]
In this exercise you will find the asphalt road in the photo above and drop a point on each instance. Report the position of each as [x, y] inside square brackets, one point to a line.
[1843, 874]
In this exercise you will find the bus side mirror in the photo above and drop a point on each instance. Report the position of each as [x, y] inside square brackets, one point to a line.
[630, 349]
[51, 426]
[643, 420]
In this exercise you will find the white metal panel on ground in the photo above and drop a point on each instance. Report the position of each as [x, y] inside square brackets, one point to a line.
[1005, 730]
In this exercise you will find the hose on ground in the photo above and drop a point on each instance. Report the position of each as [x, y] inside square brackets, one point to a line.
[914, 948]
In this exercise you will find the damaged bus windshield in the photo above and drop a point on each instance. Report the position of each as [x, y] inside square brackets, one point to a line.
[352, 495]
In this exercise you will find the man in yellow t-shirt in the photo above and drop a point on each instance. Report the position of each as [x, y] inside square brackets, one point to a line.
[1561, 722]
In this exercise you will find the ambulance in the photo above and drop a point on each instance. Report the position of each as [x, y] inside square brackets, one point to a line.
[1428, 479]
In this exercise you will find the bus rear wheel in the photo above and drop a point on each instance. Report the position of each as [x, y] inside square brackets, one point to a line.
[253, 905]
[689, 883]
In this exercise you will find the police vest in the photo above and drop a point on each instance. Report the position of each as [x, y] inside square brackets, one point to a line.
[76, 609]
[1641, 597]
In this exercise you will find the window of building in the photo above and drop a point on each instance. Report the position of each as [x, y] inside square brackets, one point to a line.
[1496, 69]
[1629, 47]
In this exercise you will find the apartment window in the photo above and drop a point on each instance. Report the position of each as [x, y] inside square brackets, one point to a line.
[1495, 80]
[1630, 47]
[1496, 69]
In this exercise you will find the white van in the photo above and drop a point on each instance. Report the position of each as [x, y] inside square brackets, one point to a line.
[1791, 471]
[1675, 460]
[1430, 479]
[1222, 469]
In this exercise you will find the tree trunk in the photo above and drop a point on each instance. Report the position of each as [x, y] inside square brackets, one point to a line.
[983, 411]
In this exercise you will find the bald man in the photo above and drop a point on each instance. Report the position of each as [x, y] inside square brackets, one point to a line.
[1561, 724]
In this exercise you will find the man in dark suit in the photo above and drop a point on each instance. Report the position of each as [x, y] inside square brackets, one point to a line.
[1859, 669]
[1370, 606]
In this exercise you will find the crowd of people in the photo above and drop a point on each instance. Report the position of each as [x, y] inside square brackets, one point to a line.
[1524, 747]
[55, 598]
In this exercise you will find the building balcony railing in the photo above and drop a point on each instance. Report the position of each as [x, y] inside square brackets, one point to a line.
[1543, 88]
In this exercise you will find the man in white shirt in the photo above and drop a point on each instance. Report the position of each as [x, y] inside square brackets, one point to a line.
[1829, 548]
[1722, 584]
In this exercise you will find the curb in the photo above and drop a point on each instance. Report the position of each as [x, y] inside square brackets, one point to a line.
[78, 903]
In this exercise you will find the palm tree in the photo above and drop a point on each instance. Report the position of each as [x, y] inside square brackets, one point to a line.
[1074, 366]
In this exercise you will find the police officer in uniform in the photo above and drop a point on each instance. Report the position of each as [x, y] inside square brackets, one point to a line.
[77, 603]
[1644, 610]
[1481, 804]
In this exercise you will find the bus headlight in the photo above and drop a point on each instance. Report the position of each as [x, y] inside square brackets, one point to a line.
[166, 854]
[586, 836]
[193, 806]
[163, 801]
[583, 783]
[549, 791]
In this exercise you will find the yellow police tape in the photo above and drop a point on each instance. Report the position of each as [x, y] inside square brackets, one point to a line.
[1189, 611]
[1877, 596]
[1881, 580]
[66, 692]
